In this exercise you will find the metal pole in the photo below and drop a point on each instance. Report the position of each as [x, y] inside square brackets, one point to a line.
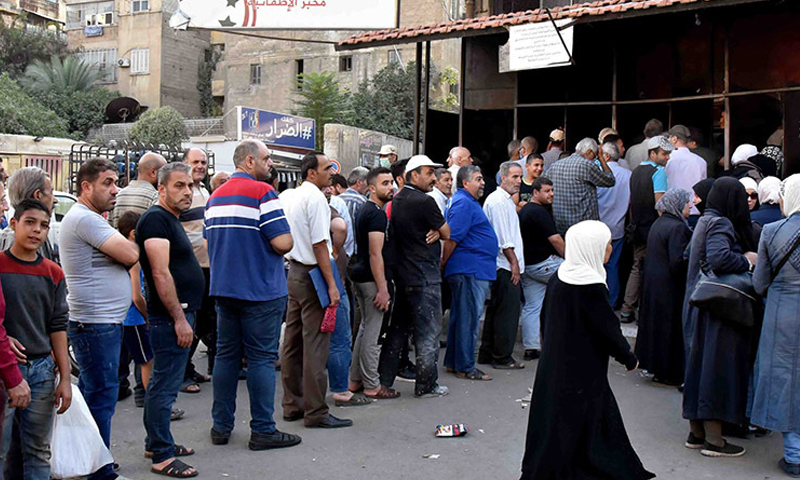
[726, 81]
[427, 96]
[417, 98]
[614, 92]
[462, 92]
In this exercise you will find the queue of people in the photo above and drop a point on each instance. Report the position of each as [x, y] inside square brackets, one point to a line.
[340, 279]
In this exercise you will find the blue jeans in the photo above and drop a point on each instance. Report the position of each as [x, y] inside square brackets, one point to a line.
[96, 347]
[534, 285]
[791, 447]
[36, 421]
[612, 270]
[169, 365]
[469, 295]
[252, 329]
[340, 355]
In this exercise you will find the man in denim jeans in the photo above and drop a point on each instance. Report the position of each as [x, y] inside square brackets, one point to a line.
[247, 236]
[95, 258]
[469, 260]
[176, 283]
[544, 252]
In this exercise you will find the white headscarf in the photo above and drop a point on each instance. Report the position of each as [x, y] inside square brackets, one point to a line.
[749, 183]
[790, 192]
[769, 190]
[743, 152]
[585, 252]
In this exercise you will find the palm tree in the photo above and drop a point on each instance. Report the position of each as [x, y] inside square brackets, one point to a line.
[71, 75]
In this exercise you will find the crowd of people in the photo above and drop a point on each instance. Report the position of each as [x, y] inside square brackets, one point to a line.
[336, 282]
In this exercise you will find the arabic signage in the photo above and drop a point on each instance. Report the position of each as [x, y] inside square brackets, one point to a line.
[275, 128]
[287, 14]
[538, 45]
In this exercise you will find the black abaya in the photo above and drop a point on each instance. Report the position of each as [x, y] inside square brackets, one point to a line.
[575, 430]
[659, 342]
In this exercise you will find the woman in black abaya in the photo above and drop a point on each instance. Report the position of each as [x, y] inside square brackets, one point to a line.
[575, 429]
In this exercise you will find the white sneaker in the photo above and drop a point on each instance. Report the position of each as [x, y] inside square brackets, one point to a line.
[438, 391]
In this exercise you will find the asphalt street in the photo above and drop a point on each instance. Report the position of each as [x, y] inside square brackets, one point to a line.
[394, 439]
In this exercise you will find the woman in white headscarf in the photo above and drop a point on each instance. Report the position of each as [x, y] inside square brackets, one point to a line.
[575, 429]
[776, 397]
[769, 196]
[751, 187]
[741, 166]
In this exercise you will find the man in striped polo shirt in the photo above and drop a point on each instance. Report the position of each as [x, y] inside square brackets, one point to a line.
[140, 194]
[192, 221]
[247, 236]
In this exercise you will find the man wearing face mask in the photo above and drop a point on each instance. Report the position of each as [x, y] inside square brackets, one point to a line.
[388, 155]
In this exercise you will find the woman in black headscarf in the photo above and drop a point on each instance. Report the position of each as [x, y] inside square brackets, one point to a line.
[701, 191]
[720, 351]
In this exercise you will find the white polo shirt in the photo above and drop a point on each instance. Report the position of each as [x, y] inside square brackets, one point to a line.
[309, 218]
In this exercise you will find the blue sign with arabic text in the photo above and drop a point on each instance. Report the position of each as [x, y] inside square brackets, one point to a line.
[275, 128]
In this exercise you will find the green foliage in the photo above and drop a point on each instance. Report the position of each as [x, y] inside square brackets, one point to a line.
[162, 126]
[205, 71]
[449, 103]
[22, 115]
[61, 77]
[83, 110]
[19, 46]
[318, 96]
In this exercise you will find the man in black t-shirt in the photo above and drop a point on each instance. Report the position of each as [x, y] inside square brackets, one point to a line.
[533, 170]
[176, 283]
[544, 252]
[371, 285]
[415, 227]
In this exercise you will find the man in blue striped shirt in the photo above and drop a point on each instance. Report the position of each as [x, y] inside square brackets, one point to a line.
[247, 235]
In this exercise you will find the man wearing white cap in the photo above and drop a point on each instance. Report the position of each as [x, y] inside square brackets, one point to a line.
[555, 150]
[648, 185]
[388, 155]
[415, 216]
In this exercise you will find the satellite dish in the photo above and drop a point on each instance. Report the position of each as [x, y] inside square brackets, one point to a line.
[123, 109]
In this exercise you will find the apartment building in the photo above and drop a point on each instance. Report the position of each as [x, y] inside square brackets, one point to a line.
[140, 56]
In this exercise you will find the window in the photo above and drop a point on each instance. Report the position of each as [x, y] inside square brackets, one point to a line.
[140, 61]
[299, 67]
[90, 14]
[394, 56]
[255, 74]
[346, 64]
[105, 60]
[140, 6]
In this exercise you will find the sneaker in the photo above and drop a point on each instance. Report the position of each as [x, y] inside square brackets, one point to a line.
[791, 469]
[407, 373]
[531, 354]
[438, 391]
[694, 443]
[726, 450]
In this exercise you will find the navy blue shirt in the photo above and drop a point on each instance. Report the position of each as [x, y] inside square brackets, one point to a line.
[476, 249]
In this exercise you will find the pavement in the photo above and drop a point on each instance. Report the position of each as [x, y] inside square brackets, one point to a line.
[394, 439]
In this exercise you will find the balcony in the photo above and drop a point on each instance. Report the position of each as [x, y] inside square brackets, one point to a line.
[44, 8]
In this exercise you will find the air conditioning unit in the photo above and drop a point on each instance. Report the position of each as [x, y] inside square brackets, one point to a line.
[124, 62]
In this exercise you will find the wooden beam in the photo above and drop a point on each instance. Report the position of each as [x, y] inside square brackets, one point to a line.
[462, 92]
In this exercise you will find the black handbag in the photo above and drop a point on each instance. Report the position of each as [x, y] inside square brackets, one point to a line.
[730, 297]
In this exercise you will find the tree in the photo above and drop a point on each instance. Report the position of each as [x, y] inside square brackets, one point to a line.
[319, 97]
[83, 110]
[19, 46]
[205, 72]
[162, 126]
[63, 77]
[22, 115]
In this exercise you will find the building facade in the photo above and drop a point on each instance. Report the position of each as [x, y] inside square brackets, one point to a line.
[48, 14]
[141, 57]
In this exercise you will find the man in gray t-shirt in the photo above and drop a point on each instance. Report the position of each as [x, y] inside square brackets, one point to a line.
[95, 259]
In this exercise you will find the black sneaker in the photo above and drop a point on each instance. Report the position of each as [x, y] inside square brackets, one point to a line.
[532, 354]
[791, 469]
[276, 439]
[694, 443]
[726, 450]
[407, 373]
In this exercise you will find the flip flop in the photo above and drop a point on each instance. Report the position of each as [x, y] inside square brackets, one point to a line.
[176, 469]
[510, 366]
[355, 401]
[176, 414]
[187, 387]
[200, 378]
[180, 451]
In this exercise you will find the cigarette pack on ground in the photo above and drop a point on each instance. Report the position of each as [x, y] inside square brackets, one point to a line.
[457, 430]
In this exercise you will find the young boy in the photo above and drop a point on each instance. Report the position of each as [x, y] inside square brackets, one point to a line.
[36, 316]
[136, 334]
[533, 170]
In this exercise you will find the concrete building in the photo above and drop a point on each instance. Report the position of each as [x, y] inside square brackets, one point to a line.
[141, 57]
[262, 73]
[48, 14]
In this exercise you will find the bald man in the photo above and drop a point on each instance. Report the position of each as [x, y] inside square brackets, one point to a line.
[459, 157]
[219, 179]
[192, 221]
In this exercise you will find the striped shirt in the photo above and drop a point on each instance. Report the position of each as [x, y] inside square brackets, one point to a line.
[241, 217]
[192, 221]
[138, 196]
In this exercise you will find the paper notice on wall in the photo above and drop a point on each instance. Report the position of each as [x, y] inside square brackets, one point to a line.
[538, 45]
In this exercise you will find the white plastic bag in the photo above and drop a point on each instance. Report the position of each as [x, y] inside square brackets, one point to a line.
[77, 447]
